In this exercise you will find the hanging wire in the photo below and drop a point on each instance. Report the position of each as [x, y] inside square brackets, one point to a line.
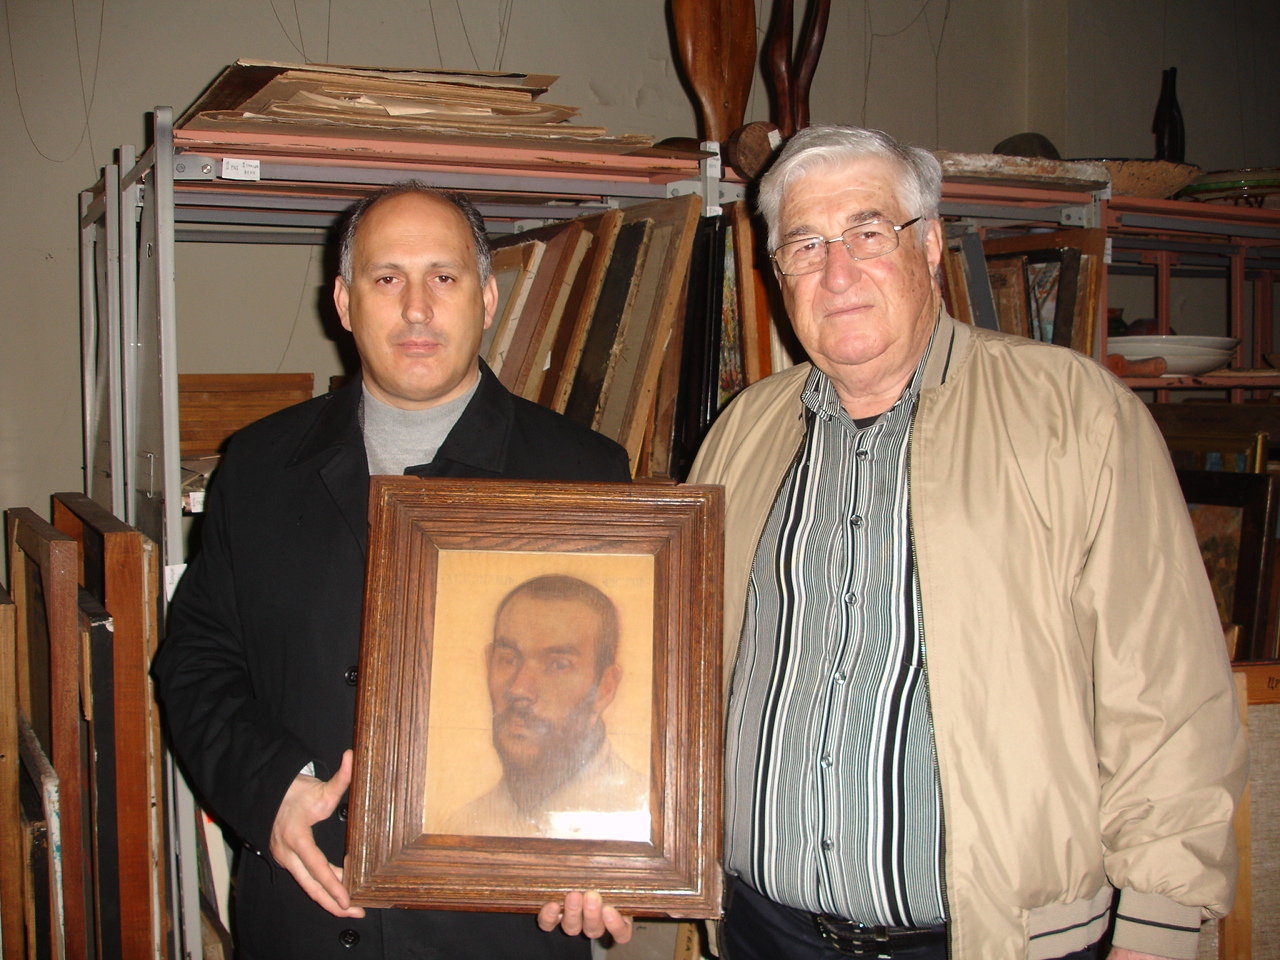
[297, 313]
[504, 31]
[87, 99]
[872, 37]
[431, 8]
[297, 19]
[466, 36]
[86, 102]
[937, 69]
[283, 29]
[328, 30]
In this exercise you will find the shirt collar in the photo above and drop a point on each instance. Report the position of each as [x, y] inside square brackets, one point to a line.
[819, 393]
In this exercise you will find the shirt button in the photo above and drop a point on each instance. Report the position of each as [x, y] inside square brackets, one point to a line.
[342, 813]
[827, 845]
[850, 599]
[855, 522]
[839, 676]
[351, 676]
[348, 938]
[825, 761]
[862, 454]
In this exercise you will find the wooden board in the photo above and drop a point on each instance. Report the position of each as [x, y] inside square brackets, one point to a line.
[566, 350]
[11, 831]
[44, 908]
[97, 699]
[753, 296]
[42, 573]
[515, 268]
[547, 293]
[629, 402]
[616, 295]
[213, 406]
[1085, 298]
[119, 567]
[538, 361]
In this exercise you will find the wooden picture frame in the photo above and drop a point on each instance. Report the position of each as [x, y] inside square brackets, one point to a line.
[552, 378]
[42, 577]
[1234, 515]
[12, 834]
[442, 556]
[1216, 451]
[626, 399]
[564, 245]
[1080, 252]
[514, 268]
[120, 567]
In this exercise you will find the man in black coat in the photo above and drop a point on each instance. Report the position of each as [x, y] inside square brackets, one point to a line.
[258, 674]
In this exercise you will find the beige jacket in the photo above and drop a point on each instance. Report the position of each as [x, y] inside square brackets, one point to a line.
[1082, 701]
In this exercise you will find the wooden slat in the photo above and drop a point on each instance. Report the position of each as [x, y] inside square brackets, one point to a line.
[120, 567]
[43, 568]
[1263, 679]
[12, 941]
[213, 406]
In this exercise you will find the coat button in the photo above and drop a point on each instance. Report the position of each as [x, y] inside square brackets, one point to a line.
[348, 938]
[342, 813]
[351, 676]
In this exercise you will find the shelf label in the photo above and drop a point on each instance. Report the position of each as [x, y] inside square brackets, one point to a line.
[172, 574]
[237, 169]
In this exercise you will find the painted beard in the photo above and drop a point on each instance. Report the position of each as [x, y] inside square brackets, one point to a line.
[563, 750]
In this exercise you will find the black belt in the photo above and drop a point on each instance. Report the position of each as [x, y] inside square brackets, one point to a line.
[858, 940]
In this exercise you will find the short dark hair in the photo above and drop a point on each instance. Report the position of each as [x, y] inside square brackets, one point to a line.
[560, 587]
[355, 213]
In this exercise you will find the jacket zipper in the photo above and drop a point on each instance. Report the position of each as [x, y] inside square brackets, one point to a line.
[924, 663]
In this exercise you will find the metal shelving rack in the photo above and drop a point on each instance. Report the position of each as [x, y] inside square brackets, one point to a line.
[1166, 239]
[129, 223]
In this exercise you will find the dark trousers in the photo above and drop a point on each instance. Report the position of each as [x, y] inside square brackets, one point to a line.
[756, 928]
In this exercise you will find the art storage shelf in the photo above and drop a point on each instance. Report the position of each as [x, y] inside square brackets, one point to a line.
[1239, 246]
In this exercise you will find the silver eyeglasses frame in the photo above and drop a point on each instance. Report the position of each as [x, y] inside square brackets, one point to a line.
[843, 239]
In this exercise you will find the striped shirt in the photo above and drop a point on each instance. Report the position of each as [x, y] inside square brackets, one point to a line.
[832, 798]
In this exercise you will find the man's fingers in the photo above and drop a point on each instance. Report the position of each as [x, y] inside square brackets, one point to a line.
[293, 844]
[593, 914]
[585, 912]
[320, 870]
[619, 927]
[331, 790]
[320, 891]
[342, 779]
[549, 916]
[571, 918]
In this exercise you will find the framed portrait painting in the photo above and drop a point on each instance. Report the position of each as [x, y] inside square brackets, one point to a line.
[1234, 516]
[539, 699]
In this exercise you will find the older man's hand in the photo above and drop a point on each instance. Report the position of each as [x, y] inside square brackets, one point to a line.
[308, 801]
[584, 911]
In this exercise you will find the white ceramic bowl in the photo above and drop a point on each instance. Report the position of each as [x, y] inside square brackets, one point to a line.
[1210, 343]
[1138, 351]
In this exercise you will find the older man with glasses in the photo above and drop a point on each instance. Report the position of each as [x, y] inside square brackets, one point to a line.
[979, 690]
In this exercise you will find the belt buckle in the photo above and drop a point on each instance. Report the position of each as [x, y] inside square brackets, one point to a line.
[853, 938]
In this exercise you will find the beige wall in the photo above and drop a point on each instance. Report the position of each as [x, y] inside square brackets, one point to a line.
[959, 75]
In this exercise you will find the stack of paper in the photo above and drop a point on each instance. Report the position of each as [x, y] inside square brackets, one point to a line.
[368, 102]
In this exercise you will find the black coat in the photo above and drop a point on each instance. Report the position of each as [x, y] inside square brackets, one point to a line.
[257, 676]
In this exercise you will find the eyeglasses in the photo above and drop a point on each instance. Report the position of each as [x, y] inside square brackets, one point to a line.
[865, 241]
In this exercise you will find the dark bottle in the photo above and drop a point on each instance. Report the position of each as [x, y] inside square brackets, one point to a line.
[1171, 138]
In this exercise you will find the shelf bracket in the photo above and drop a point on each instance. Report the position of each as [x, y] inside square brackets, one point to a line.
[192, 166]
